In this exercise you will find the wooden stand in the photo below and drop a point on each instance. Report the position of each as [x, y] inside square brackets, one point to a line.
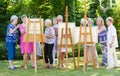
[35, 37]
[67, 36]
[85, 34]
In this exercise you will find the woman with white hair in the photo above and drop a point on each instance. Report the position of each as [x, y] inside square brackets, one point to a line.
[60, 19]
[11, 40]
[102, 38]
[55, 49]
[89, 47]
[83, 21]
[49, 44]
[112, 43]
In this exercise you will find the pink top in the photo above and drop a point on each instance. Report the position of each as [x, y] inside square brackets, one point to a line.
[25, 46]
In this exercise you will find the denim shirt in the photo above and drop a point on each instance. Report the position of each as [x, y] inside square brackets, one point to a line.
[11, 37]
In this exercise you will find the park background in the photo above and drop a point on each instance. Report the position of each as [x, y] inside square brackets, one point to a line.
[50, 9]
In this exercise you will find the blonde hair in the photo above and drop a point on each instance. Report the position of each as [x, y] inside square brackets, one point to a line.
[110, 19]
[13, 17]
[101, 19]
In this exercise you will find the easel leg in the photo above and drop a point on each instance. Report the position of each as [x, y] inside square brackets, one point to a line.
[66, 60]
[59, 59]
[93, 57]
[72, 48]
[35, 57]
[43, 55]
[85, 59]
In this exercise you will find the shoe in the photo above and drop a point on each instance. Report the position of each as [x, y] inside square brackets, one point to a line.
[118, 66]
[102, 64]
[50, 66]
[25, 67]
[14, 68]
[47, 66]
[33, 66]
[109, 68]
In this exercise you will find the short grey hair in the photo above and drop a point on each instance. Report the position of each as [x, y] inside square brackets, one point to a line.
[60, 17]
[23, 16]
[90, 20]
[83, 20]
[13, 17]
[49, 21]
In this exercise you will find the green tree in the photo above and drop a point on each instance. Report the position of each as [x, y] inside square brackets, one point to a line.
[92, 11]
[40, 8]
[3, 19]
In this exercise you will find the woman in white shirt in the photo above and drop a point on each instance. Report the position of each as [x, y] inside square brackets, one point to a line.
[112, 43]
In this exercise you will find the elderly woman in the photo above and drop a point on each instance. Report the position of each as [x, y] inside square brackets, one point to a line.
[60, 19]
[11, 40]
[89, 47]
[82, 21]
[63, 49]
[26, 47]
[102, 32]
[55, 49]
[112, 43]
[49, 44]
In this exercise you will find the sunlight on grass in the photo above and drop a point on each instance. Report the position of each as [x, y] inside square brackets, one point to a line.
[41, 71]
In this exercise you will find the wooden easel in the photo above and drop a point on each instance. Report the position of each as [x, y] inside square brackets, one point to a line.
[67, 36]
[85, 34]
[35, 37]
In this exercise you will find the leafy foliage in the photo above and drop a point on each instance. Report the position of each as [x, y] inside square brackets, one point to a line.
[3, 19]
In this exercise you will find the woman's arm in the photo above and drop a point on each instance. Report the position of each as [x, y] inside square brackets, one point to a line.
[22, 31]
[112, 42]
[52, 33]
[50, 36]
[56, 31]
[13, 30]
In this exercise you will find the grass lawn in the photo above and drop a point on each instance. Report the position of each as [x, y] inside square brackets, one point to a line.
[4, 71]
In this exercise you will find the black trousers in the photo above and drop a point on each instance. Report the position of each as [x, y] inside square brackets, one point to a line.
[48, 48]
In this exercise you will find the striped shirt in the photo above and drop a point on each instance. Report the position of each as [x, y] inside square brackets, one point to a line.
[11, 37]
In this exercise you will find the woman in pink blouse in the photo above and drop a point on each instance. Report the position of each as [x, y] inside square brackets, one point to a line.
[26, 47]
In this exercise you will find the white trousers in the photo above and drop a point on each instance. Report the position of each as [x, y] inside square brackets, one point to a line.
[55, 49]
[89, 53]
[112, 58]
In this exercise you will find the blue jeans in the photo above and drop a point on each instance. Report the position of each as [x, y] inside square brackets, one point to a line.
[11, 50]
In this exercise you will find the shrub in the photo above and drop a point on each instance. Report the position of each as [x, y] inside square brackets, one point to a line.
[4, 53]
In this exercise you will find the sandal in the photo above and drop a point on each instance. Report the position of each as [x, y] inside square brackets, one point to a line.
[13, 68]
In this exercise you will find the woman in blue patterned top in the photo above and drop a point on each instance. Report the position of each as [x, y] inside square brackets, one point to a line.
[102, 37]
[11, 39]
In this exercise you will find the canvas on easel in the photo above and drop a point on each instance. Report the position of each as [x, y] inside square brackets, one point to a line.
[35, 34]
[85, 33]
[63, 26]
[65, 35]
